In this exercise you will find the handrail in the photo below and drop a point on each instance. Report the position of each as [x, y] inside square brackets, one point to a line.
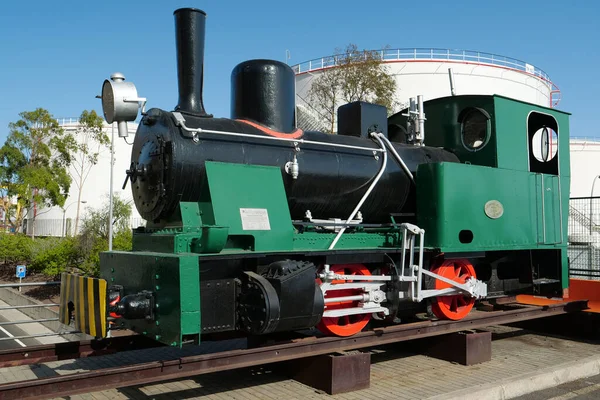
[586, 138]
[434, 54]
[74, 121]
[67, 121]
[584, 198]
[581, 217]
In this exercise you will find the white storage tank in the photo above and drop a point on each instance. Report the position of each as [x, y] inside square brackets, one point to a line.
[425, 72]
[57, 221]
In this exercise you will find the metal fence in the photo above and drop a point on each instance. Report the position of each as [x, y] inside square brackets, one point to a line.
[584, 237]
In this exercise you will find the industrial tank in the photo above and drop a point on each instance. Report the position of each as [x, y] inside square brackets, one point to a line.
[425, 72]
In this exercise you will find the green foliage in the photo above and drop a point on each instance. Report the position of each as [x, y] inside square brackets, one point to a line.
[51, 256]
[122, 240]
[15, 248]
[94, 236]
[34, 163]
[357, 75]
[96, 223]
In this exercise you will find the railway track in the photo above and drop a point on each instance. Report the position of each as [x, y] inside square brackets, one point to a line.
[70, 350]
[148, 372]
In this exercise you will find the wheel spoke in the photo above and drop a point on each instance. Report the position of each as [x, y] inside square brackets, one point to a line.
[458, 306]
[346, 325]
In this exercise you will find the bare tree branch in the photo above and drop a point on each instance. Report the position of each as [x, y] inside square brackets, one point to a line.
[357, 76]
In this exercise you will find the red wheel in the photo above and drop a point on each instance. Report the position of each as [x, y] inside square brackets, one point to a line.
[346, 325]
[453, 307]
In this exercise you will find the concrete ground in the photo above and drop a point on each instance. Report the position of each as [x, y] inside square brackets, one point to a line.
[582, 389]
[522, 362]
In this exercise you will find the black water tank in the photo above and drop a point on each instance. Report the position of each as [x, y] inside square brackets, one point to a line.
[263, 91]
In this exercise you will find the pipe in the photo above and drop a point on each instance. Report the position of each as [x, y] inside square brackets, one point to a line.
[189, 38]
[398, 158]
[591, 204]
[377, 137]
[111, 197]
[452, 89]
[195, 131]
[421, 120]
[359, 297]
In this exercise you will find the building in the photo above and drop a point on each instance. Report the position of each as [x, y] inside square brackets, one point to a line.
[57, 221]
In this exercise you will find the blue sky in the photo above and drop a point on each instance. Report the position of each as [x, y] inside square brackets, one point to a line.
[56, 54]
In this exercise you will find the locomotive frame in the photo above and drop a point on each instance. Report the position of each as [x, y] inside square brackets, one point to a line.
[257, 227]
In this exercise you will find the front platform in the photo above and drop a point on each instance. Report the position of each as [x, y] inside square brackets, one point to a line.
[579, 289]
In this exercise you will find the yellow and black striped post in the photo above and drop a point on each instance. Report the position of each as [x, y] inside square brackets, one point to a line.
[84, 300]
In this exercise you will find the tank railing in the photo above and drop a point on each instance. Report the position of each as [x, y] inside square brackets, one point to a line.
[585, 138]
[65, 121]
[72, 122]
[433, 54]
[68, 121]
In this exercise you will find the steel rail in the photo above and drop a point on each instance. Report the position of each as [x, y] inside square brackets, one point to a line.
[149, 372]
[69, 350]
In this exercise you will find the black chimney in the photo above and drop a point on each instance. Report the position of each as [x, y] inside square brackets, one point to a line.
[189, 38]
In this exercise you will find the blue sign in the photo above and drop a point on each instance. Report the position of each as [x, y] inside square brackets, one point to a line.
[21, 271]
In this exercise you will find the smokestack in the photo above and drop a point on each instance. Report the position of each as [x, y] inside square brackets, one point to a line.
[189, 38]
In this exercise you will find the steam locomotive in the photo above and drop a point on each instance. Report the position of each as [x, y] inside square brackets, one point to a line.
[257, 227]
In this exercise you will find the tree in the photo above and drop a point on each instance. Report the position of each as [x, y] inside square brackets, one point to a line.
[91, 139]
[96, 223]
[354, 75]
[34, 163]
[324, 94]
[94, 236]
